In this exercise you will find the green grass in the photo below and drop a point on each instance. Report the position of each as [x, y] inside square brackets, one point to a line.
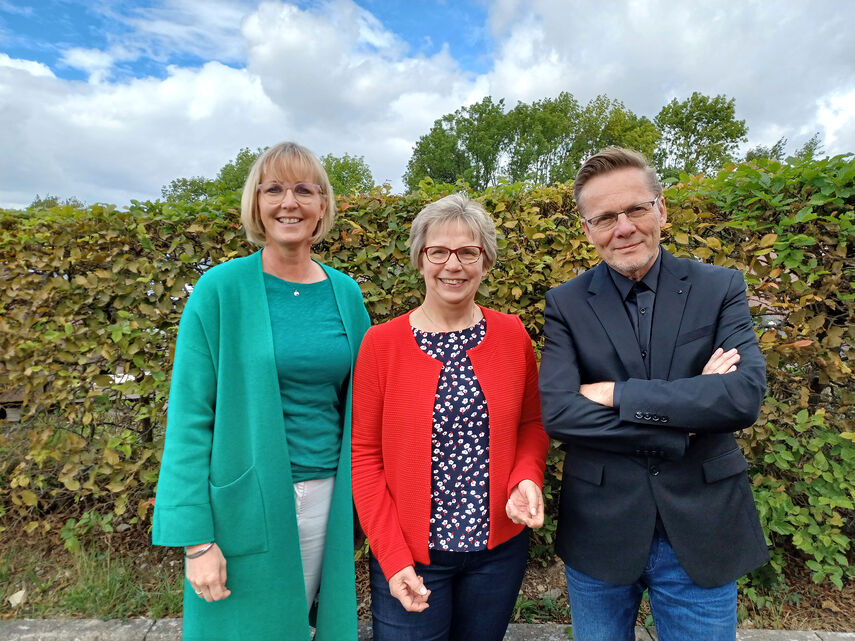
[97, 582]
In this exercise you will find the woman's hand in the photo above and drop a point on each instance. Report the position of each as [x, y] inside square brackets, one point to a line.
[525, 506]
[207, 573]
[409, 589]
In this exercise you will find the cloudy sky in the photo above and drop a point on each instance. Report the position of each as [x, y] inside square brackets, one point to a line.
[109, 100]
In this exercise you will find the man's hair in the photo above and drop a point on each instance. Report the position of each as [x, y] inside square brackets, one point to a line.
[611, 159]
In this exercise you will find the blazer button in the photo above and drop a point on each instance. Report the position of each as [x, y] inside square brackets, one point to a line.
[646, 416]
[654, 471]
[664, 419]
[638, 415]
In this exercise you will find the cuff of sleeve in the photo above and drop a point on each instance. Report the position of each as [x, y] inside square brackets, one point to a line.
[178, 526]
[617, 393]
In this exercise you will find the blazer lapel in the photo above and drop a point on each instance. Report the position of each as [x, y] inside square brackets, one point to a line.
[671, 296]
[607, 305]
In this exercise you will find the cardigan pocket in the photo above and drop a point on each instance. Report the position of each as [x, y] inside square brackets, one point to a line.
[239, 524]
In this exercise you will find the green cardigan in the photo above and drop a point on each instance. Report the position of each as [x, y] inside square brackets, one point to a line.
[226, 472]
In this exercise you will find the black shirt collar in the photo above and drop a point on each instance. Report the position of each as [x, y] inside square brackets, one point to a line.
[625, 285]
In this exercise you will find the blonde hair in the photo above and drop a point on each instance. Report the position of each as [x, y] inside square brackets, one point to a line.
[454, 208]
[287, 159]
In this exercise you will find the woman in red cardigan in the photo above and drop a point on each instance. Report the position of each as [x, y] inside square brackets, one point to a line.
[448, 446]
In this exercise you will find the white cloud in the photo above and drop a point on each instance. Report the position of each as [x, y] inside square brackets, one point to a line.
[32, 68]
[837, 113]
[776, 58]
[334, 77]
[112, 143]
[95, 62]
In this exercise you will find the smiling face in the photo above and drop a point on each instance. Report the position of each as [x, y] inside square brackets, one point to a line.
[452, 283]
[631, 247]
[291, 222]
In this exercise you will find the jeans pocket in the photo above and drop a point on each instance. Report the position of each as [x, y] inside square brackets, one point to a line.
[239, 524]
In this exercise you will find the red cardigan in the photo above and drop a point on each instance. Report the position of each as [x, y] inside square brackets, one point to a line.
[394, 386]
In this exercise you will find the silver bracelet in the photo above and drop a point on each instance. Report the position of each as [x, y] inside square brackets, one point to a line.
[198, 553]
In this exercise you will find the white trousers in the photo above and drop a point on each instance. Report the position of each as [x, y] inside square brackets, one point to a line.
[313, 499]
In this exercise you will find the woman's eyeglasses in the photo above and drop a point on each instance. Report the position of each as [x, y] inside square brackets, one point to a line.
[467, 255]
[273, 193]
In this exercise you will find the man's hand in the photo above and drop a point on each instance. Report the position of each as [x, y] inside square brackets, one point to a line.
[602, 393]
[409, 589]
[722, 362]
[525, 505]
[207, 573]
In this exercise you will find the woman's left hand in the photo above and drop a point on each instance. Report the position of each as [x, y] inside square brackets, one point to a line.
[525, 506]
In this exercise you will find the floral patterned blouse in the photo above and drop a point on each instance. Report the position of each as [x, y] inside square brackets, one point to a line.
[461, 438]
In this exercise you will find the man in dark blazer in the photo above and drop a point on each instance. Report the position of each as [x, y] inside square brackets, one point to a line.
[650, 365]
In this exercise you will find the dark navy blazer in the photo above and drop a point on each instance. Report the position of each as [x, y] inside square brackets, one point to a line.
[670, 446]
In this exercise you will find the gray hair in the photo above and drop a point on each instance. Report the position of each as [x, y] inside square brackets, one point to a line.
[454, 208]
[285, 160]
[611, 159]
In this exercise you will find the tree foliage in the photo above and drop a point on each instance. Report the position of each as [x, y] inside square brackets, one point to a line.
[543, 142]
[699, 134]
[467, 145]
[775, 152]
[348, 174]
[811, 149]
[49, 202]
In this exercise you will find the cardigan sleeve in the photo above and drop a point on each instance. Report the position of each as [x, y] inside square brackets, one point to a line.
[182, 509]
[532, 441]
[374, 503]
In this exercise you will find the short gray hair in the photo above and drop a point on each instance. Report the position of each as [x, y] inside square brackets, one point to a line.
[285, 159]
[612, 159]
[454, 208]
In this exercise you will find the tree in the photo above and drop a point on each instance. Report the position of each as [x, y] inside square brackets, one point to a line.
[48, 202]
[543, 142]
[436, 155]
[775, 152]
[348, 174]
[699, 134]
[813, 147]
[186, 189]
[233, 174]
[467, 144]
[542, 134]
[231, 177]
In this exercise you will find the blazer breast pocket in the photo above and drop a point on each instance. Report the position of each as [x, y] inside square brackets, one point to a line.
[238, 507]
[695, 334]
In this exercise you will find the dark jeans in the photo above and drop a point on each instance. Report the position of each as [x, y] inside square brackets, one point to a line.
[472, 596]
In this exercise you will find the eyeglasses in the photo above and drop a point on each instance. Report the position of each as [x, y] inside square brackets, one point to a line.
[273, 193]
[609, 220]
[467, 255]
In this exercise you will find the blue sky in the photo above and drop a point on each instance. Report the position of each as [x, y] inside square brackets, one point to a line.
[109, 100]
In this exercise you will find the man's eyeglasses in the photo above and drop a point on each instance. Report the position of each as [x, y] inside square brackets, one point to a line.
[609, 220]
[273, 193]
[439, 255]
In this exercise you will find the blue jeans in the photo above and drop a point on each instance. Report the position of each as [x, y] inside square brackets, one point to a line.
[682, 610]
[472, 596]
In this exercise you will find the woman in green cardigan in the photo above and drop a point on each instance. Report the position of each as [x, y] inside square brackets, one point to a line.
[255, 477]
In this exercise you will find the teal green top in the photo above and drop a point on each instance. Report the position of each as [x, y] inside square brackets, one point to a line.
[226, 470]
[313, 364]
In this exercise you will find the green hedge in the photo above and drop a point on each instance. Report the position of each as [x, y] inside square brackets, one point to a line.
[91, 300]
